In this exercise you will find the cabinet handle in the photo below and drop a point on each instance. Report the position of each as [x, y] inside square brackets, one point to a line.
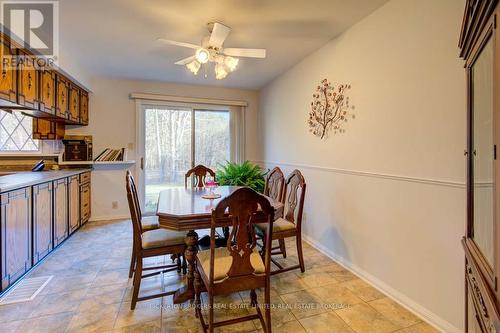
[30, 81]
[48, 90]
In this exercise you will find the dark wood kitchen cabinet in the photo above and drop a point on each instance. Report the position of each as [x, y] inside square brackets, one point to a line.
[85, 204]
[480, 47]
[61, 226]
[62, 102]
[84, 107]
[8, 77]
[42, 221]
[74, 203]
[74, 104]
[48, 91]
[28, 84]
[47, 130]
[34, 220]
[15, 234]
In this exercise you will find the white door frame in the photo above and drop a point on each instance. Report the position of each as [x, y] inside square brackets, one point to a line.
[140, 133]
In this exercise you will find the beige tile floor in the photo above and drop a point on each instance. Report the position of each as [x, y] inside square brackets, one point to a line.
[91, 292]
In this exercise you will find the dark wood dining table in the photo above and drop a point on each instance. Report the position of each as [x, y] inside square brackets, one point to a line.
[184, 209]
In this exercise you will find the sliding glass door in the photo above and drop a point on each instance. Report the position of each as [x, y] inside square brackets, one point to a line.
[175, 140]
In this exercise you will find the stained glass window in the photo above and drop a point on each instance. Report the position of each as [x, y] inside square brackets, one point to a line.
[16, 133]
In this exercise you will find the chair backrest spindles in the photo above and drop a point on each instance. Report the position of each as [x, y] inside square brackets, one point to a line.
[200, 172]
[293, 197]
[135, 209]
[239, 210]
[274, 185]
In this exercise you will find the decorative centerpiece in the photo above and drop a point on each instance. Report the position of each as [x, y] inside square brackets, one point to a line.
[211, 184]
[330, 109]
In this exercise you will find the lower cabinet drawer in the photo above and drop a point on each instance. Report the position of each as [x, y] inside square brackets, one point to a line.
[85, 202]
[85, 177]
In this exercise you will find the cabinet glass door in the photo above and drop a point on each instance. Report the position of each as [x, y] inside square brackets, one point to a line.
[483, 151]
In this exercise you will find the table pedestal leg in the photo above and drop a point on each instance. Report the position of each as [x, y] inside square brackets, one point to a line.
[187, 292]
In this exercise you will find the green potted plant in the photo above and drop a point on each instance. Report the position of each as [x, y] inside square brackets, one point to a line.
[245, 174]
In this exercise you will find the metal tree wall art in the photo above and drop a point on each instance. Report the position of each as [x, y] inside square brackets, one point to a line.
[330, 109]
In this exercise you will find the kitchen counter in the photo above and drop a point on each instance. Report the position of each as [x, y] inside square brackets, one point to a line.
[22, 179]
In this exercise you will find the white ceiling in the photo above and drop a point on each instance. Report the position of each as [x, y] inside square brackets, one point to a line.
[116, 38]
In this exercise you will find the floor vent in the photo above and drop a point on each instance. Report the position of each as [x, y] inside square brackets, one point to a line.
[25, 290]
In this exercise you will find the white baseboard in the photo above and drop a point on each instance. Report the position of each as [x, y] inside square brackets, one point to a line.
[429, 316]
[109, 217]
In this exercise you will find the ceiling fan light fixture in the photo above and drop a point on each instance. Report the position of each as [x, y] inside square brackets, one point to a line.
[231, 63]
[202, 55]
[220, 71]
[194, 66]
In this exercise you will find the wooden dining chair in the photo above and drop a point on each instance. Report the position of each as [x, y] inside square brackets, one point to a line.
[152, 243]
[291, 224]
[275, 182]
[273, 188]
[200, 173]
[238, 266]
[147, 222]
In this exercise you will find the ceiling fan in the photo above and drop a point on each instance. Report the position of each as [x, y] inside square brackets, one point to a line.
[212, 50]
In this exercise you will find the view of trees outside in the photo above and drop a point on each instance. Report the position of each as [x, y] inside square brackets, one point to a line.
[168, 155]
[212, 138]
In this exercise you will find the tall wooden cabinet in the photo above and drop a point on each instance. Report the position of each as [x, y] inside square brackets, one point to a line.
[74, 203]
[61, 227]
[480, 47]
[15, 234]
[42, 221]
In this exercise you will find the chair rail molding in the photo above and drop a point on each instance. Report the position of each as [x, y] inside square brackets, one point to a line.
[411, 179]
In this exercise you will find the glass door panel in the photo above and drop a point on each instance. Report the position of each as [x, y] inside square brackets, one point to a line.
[168, 150]
[483, 151]
[212, 138]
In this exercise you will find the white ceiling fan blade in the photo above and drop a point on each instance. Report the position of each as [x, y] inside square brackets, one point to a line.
[249, 53]
[182, 44]
[219, 35]
[185, 61]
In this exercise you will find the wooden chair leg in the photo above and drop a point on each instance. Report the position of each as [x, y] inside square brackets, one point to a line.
[184, 264]
[179, 265]
[253, 298]
[137, 282]
[282, 247]
[210, 312]
[197, 294]
[132, 263]
[267, 307]
[298, 239]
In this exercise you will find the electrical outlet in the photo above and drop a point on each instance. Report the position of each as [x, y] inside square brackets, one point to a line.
[114, 204]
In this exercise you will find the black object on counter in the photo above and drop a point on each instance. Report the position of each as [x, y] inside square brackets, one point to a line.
[39, 166]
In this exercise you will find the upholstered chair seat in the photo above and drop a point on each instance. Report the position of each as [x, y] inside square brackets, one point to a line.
[223, 261]
[161, 237]
[279, 225]
[150, 223]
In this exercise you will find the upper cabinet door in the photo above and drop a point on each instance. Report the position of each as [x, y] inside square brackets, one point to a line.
[28, 83]
[483, 170]
[74, 104]
[483, 151]
[48, 92]
[62, 106]
[84, 107]
[8, 83]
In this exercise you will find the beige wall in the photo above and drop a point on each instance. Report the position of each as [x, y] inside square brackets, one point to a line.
[386, 197]
[113, 124]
